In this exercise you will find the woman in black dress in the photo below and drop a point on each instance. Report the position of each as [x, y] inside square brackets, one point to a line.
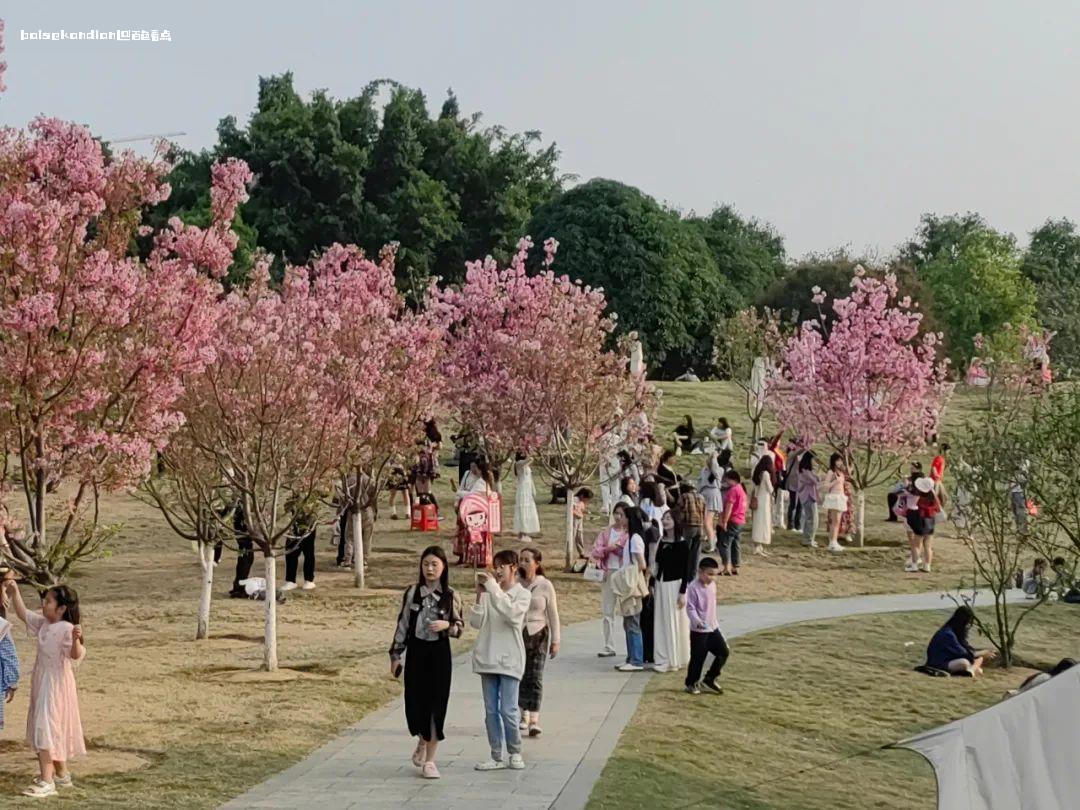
[430, 616]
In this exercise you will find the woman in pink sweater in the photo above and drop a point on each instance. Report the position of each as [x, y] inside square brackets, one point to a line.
[541, 635]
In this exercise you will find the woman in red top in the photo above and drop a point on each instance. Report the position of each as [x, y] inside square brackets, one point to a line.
[937, 466]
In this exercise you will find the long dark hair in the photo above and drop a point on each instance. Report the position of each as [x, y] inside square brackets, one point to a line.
[960, 622]
[806, 460]
[667, 456]
[723, 458]
[676, 519]
[444, 578]
[69, 600]
[764, 467]
[833, 459]
[431, 430]
[536, 555]
[635, 520]
[723, 423]
[485, 470]
[689, 423]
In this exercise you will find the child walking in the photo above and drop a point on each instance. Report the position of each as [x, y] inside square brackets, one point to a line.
[705, 635]
[53, 726]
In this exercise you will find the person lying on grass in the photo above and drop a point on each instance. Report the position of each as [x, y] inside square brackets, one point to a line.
[950, 651]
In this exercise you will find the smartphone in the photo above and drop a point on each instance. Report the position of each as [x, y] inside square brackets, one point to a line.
[398, 669]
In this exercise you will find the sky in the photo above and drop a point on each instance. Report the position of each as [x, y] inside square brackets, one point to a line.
[838, 122]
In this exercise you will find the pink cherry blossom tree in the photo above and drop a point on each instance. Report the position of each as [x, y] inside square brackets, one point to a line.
[869, 387]
[269, 412]
[529, 371]
[94, 344]
[388, 368]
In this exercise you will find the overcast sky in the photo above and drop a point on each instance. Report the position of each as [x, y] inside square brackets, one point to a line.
[838, 122]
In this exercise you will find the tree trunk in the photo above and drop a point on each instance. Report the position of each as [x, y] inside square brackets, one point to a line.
[860, 516]
[570, 491]
[206, 558]
[358, 548]
[270, 662]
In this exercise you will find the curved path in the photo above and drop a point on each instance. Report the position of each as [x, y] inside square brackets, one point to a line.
[586, 707]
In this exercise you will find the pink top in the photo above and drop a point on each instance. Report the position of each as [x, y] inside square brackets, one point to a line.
[735, 497]
[701, 606]
[607, 551]
[52, 719]
[834, 483]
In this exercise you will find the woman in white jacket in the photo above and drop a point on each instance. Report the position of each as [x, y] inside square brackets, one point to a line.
[499, 656]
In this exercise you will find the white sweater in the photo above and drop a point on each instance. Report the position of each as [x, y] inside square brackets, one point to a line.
[500, 617]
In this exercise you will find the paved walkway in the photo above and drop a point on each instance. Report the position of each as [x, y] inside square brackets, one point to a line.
[586, 706]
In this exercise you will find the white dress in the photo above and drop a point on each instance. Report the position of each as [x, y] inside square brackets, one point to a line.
[762, 525]
[526, 518]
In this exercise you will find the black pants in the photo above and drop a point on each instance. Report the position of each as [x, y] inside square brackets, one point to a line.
[244, 561]
[305, 546]
[343, 523]
[701, 644]
[794, 512]
[892, 502]
[647, 609]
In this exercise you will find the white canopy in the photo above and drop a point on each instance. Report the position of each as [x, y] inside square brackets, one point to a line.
[1020, 754]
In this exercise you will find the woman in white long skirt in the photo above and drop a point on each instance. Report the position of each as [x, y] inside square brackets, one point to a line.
[761, 533]
[526, 518]
[676, 558]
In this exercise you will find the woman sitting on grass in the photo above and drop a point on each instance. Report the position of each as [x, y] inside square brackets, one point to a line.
[950, 651]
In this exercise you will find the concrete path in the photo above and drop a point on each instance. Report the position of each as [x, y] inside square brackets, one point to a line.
[586, 706]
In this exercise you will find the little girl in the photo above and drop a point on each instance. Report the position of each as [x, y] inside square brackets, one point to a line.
[53, 727]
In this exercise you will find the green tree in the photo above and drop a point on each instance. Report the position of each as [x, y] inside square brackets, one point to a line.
[1052, 263]
[378, 168]
[656, 269]
[977, 288]
[939, 235]
[750, 254]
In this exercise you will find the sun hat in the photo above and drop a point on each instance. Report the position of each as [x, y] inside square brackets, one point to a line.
[924, 484]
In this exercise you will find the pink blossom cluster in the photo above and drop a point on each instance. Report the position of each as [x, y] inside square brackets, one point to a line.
[94, 344]
[527, 360]
[871, 385]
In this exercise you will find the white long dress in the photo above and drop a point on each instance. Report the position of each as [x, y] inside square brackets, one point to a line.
[671, 626]
[762, 525]
[526, 518]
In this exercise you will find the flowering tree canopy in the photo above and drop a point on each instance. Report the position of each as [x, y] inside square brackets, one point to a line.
[870, 387]
[528, 367]
[94, 344]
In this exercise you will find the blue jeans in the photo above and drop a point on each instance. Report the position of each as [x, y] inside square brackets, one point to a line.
[635, 644]
[501, 713]
[729, 545]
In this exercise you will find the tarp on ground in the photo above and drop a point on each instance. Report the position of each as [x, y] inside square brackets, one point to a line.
[1020, 754]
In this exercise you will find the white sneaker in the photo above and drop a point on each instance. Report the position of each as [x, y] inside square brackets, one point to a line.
[308, 586]
[516, 762]
[629, 668]
[911, 567]
[490, 765]
[40, 790]
[924, 567]
[289, 586]
[64, 781]
[834, 546]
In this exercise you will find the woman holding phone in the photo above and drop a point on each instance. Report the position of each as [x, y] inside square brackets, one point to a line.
[430, 616]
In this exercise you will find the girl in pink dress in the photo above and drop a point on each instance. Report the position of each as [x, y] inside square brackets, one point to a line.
[53, 727]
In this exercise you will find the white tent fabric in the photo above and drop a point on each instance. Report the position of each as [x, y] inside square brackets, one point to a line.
[1020, 754]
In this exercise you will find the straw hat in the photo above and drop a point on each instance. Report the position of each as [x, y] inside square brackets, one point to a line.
[924, 485]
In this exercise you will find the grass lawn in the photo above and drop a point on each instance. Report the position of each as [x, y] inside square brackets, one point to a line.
[175, 723]
[798, 701]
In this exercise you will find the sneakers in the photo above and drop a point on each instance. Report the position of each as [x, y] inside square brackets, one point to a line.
[308, 586]
[606, 654]
[835, 547]
[924, 567]
[811, 544]
[522, 725]
[64, 781]
[629, 668]
[40, 790]
[418, 754]
[712, 686]
[517, 763]
[429, 771]
[692, 689]
[535, 730]
[491, 765]
[911, 567]
[289, 586]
